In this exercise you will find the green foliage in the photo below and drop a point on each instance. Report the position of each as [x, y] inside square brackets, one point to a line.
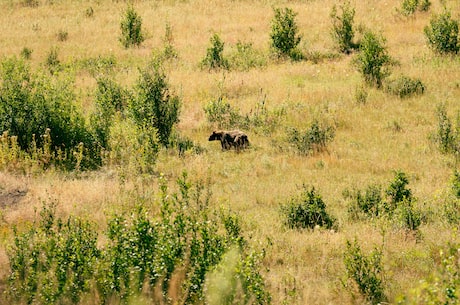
[26, 53]
[131, 28]
[100, 65]
[399, 206]
[365, 272]
[60, 262]
[409, 7]
[306, 210]
[405, 86]
[155, 106]
[368, 203]
[373, 59]
[342, 27]
[443, 286]
[110, 98]
[312, 140]
[33, 104]
[169, 51]
[246, 57]
[442, 34]
[52, 262]
[184, 144]
[397, 191]
[221, 113]
[284, 33]
[52, 61]
[446, 135]
[455, 183]
[215, 54]
[131, 147]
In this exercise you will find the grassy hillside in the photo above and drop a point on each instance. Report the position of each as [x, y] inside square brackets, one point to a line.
[373, 138]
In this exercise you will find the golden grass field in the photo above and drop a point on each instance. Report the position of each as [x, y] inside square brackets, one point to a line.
[371, 141]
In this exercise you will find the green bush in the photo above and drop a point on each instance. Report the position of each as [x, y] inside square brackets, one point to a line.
[373, 59]
[405, 87]
[61, 261]
[442, 34]
[131, 28]
[368, 203]
[442, 287]
[26, 53]
[409, 7]
[312, 140]
[306, 210]
[284, 33]
[110, 98]
[34, 104]
[215, 55]
[54, 261]
[154, 104]
[342, 27]
[131, 147]
[446, 135]
[365, 272]
[397, 191]
[246, 57]
[221, 113]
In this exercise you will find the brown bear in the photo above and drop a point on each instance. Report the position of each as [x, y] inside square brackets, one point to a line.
[229, 139]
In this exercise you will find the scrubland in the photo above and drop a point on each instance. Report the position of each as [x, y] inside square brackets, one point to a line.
[373, 138]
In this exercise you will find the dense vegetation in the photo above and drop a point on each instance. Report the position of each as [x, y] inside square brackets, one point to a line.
[110, 191]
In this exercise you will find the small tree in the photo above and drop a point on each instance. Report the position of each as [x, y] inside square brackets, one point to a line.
[155, 105]
[365, 271]
[284, 34]
[342, 27]
[442, 34]
[131, 28]
[214, 55]
[373, 59]
[307, 210]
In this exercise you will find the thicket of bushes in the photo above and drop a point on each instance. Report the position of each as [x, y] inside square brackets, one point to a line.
[140, 254]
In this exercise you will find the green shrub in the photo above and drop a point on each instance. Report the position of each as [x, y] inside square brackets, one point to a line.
[131, 147]
[397, 191]
[52, 262]
[246, 57]
[284, 33]
[154, 104]
[373, 59]
[110, 98]
[34, 104]
[442, 287]
[169, 51]
[131, 28]
[405, 87]
[409, 7]
[368, 203]
[342, 27]
[455, 183]
[365, 272]
[52, 61]
[26, 53]
[61, 261]
[306, 210]
[221, 113]
[100, 65]
[215, 54]
[446, 135]
[442, 34]
[312, 140]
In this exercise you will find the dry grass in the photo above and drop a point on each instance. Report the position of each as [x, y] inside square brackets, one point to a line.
[372, 139]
